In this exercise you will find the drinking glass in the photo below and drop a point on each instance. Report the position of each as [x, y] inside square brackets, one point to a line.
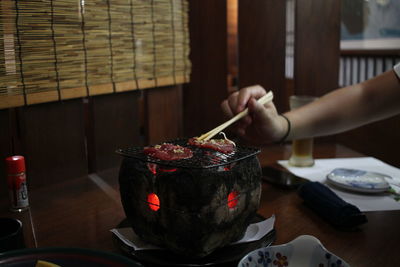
[302, 149]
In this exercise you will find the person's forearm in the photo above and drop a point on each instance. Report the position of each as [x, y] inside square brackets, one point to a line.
[347, 108]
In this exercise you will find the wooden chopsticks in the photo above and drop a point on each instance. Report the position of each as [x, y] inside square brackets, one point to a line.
[266, 98]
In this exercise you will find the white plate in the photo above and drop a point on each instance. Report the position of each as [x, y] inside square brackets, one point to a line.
[359, 180]
[305, 250]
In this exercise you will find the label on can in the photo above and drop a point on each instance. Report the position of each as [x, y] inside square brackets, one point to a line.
[18, 191]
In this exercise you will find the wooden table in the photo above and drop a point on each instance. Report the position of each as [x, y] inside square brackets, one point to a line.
[374, 244]
[80, 212]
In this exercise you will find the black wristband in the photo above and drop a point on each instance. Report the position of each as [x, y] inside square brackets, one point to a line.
[283, 139]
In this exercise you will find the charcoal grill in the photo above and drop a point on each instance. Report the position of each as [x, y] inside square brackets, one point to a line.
[190, 206]
[202, 158]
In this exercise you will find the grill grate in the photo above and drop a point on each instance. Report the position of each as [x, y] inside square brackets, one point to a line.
[202, 157]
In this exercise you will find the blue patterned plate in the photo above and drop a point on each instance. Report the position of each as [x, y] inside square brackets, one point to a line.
[359, 180]
[305, 250]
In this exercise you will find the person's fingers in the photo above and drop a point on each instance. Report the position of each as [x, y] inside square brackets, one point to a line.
[238, 100]
[226, 109]
[243, 123]
[241, 132]
[232, 101]
[255, 91]
[261, 111]
[262, 114]
[267, 118]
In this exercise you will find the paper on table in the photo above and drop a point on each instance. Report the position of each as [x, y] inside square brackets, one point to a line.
[129, 238]
[254, 232]
[365, 202]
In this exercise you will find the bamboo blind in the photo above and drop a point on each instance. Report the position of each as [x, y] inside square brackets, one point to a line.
[61, 49]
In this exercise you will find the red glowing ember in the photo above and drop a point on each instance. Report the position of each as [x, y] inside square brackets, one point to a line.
[167, 170]
[154, 201]
[233, 199]
[154, 168]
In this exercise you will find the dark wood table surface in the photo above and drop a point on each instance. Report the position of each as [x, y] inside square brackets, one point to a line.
[81, 211]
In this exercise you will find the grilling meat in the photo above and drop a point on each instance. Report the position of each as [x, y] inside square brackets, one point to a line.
[222, 145]
[168, 151]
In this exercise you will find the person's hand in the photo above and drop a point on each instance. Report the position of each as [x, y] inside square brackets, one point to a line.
[262, 125]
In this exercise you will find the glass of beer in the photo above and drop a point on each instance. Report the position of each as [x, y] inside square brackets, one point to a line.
[302, 149]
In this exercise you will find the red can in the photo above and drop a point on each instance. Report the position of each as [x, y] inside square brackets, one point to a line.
[16, 180]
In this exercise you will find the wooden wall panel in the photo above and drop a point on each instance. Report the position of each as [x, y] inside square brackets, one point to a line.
[317, 46]
[233, 46]
[262, 29]
[112, 122]
[5, 148]
[163, 114]
[53, 141]
[208, 53]
[380, 140]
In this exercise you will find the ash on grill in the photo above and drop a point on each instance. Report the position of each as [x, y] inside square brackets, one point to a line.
[191, 206]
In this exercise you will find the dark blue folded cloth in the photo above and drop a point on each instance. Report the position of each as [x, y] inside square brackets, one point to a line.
[330, 206]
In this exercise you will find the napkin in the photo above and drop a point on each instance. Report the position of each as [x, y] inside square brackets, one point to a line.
[330, 206]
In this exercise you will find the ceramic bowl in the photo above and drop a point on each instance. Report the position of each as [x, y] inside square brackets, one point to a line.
[305, 250]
